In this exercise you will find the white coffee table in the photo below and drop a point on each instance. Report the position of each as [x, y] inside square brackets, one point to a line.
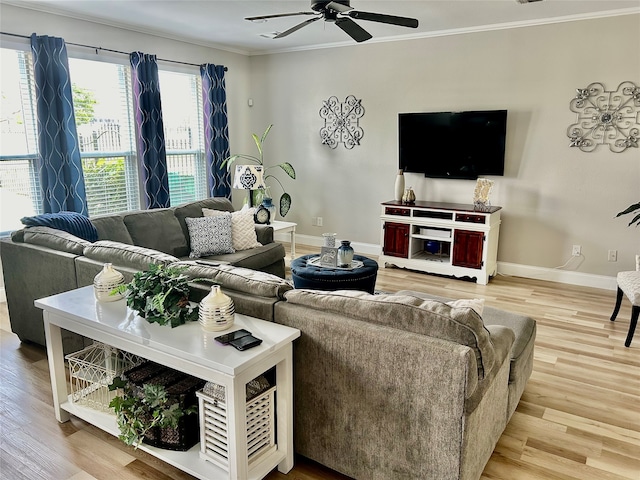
[286, 227]
[191, 350]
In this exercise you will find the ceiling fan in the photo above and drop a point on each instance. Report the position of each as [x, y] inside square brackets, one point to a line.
[340, 12]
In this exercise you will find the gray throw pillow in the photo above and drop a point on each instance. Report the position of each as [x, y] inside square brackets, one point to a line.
[210, 235]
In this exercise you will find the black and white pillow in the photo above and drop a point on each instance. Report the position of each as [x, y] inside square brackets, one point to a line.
[210, 235]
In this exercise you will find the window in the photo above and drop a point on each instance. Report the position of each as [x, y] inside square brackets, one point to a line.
[181, 97]
[103, 105]
[103, 109]
[19, 192]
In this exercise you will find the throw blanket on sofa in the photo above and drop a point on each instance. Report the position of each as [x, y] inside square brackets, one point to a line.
[71, 222]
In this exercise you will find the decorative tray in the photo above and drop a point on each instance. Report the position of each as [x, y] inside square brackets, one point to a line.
[315, 261]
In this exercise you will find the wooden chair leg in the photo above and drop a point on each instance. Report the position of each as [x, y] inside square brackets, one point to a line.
[617, 307]
[635, 312]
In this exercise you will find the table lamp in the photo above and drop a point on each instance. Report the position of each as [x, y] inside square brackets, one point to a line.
[249, 177]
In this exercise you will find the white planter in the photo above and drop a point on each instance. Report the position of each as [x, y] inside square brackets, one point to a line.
[217, 311]
[105, 281]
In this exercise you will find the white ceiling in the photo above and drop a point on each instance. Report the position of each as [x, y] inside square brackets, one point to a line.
[221, 24]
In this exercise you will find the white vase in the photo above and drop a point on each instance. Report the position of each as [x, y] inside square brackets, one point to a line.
[105, 281]
[216, 311]
[399, 190]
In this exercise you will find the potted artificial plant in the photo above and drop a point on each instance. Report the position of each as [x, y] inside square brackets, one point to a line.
[138, 415]
[285, 198]
[160, 295]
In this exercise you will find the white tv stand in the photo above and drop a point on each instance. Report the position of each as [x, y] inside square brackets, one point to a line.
[443, 238]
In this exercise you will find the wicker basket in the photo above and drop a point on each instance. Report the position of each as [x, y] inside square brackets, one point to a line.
[181, 388]
[93, 369]
[213, 425]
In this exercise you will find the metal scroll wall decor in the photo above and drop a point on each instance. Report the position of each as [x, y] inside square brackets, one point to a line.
[341, 122]
[606, 117]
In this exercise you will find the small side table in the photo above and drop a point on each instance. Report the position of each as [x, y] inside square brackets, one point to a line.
[287, 227]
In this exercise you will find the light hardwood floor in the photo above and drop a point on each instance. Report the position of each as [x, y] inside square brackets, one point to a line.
[579, 417]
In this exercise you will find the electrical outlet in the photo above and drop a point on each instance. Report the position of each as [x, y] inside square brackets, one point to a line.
[576, 250]
[319, 220]
[613, 256]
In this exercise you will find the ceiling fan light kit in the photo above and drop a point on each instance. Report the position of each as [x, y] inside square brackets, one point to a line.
[339, 12]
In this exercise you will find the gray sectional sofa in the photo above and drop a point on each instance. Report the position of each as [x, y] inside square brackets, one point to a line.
[403, 386]
[42, 261]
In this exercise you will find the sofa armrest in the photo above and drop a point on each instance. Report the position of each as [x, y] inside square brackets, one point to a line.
[55, 239]
[32, 272]
[264, 234]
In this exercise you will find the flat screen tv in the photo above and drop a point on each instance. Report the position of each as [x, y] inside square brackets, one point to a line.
[462, 145]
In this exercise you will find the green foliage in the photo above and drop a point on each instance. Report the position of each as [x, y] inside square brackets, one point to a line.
[105, 175]
[635, 208]
[136, 416]
[84, 102]
[160, 295]
[285, 199]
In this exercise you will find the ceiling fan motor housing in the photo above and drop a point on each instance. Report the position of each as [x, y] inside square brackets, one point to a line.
[321, 6]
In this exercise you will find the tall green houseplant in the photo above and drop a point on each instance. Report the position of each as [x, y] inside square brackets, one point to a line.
[635, 209]
[285, 198]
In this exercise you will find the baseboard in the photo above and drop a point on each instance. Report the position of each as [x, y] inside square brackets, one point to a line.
[504, 268]
[557, 275]
[360, 248]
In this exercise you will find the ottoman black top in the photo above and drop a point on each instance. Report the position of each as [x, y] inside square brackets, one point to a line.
[316, 277]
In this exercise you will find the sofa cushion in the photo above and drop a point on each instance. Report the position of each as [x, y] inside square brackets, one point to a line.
[210, 235]
[255, 258]
[243, 228]
[476, 303]
[55, 239]
[131, 256]
[436, 319]
[157, 229]
[71, 222]
[194, 210]
[240, 279]
[112, 227]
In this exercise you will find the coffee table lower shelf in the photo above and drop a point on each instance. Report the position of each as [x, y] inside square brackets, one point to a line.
[189, 461]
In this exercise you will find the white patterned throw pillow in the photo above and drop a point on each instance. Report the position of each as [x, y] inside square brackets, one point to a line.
[210, 235]
[243, 228]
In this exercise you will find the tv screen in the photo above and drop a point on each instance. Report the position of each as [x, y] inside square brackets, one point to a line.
[452, 144]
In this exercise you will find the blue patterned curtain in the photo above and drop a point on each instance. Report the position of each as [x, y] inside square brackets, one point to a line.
[60, 165]
[216, 129]
[150, 129]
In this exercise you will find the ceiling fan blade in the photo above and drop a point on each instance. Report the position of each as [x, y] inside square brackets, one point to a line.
[352, 29]
[382, 18]
[297, 27]
[278, 15]
[338, 7]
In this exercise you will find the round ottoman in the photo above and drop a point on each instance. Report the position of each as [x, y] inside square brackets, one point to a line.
[327, 278]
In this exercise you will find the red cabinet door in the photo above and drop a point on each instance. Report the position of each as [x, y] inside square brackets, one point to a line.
[396, 240]
[467, 249]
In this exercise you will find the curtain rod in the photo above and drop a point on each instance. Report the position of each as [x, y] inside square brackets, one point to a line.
[107, 50]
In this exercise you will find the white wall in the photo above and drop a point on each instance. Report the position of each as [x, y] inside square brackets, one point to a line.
[553, 196]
